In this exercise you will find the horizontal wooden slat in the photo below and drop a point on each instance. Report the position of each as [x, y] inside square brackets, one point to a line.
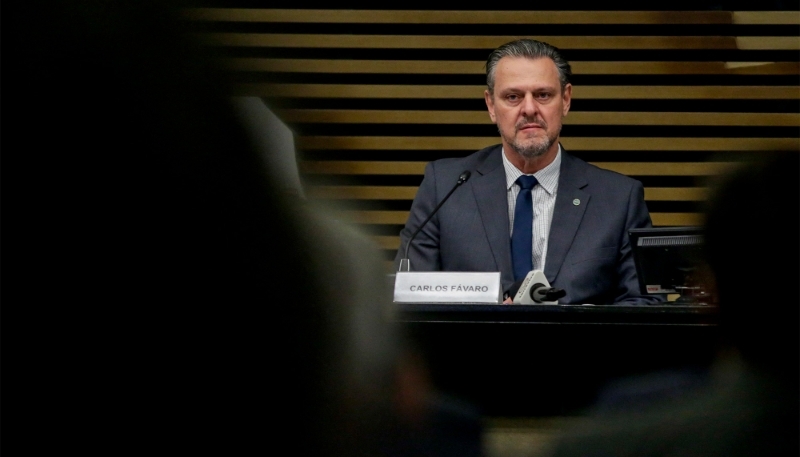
[305, 40]
[476, 92]
[667, 168]
[358, 90]
[576, 143]
[765, 43]
[331, 16]
[678, 194]
[574, 117]
[373, 217]
[363, 192]
[684, 68]
[476, 67]
[362, 168]
[387, 242]
[399, 217]
[408, 193]
[355, 66]
[677, 219]
[767, 17]
[337, 167]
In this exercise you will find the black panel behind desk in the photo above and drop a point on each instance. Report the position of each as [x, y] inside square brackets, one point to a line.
[541, 360]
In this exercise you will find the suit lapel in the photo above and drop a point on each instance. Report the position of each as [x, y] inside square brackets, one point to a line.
[570, 206]
[489, 190]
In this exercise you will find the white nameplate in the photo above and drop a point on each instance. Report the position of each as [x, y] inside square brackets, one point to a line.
[447, 287]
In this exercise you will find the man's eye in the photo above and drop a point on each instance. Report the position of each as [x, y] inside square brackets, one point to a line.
[512, 98]
[544, 96]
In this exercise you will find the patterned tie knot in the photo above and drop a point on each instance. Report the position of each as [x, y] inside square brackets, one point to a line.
[527, 182]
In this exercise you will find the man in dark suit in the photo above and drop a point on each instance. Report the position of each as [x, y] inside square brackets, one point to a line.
[581, 213]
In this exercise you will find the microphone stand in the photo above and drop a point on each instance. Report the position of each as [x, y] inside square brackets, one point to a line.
[405, 263]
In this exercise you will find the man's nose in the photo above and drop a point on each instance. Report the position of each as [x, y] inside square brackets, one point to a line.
[529, 106]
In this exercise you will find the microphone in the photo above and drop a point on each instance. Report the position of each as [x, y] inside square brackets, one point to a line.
[535, 289]
[541, 293]
[405, 264]
[537, 292]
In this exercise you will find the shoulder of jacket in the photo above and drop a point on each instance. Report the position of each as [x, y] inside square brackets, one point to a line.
[593, 170]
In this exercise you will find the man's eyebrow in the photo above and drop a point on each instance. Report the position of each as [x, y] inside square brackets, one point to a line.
[535, 89]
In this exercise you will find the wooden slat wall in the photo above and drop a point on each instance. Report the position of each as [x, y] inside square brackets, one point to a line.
[667, 97]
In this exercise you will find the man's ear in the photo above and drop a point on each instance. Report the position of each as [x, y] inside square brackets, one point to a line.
[490, 105]
[567, 98]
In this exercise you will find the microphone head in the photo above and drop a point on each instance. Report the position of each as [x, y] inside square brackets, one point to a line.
[464, 177]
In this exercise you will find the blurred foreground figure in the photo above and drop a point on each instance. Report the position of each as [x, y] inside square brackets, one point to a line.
[182, 303]
[749, 403]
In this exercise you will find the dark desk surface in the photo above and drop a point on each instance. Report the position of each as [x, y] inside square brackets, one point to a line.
[558, 314]
[569, 351]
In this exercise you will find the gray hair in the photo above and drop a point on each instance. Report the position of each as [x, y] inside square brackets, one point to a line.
[531, 49]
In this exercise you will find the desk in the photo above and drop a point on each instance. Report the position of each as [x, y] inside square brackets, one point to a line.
[559, 314]
[530, 360]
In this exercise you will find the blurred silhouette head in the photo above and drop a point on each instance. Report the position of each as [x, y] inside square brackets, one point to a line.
[206, 299]
[753, 249]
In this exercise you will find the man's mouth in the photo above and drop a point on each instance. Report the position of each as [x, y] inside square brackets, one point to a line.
[529, 126]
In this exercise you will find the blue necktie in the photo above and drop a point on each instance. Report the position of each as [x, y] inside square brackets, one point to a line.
[521, 236]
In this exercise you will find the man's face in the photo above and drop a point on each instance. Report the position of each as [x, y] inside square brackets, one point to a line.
[528, 104]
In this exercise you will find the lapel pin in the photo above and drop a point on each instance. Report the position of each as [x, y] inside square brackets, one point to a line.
[576, 202]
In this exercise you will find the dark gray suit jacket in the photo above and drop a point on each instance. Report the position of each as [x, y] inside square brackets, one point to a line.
[588, 254]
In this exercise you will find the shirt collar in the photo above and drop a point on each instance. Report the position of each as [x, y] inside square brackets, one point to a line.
[547, 176]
